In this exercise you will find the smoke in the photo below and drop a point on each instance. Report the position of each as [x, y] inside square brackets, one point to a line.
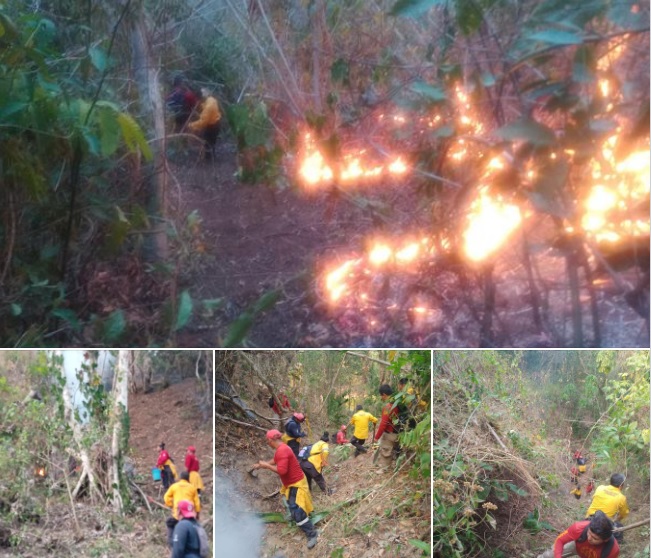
[238, 534]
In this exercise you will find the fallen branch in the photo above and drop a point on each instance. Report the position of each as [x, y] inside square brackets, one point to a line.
[271, 495]
[222, 417]
[142, 494]
[386, 363]
[243, 409]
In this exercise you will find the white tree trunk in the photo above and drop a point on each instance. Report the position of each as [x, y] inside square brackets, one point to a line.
[86, 466]
[120, 409]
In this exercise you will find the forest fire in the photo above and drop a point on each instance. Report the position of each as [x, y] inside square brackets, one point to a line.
[355, 167]
[40, 472]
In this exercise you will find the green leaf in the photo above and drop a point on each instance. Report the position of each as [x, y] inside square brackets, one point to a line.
[98, 58]
[436, 94]
[516, 489]
[584, 67]
[109, 131]
[528, 130]
[238, 330]
[556, 37]
[16, 309]
[133, 136]
[184, 310]
[413, 8]
[266, 301]
[69, 316]
[114, 326]
[11, 108]
[422, 545]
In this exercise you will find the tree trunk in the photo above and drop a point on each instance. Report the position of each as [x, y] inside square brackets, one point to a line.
[151, 105]
[120, 409]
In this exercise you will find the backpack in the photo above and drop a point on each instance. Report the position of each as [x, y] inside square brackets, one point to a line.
[305, 452]
[204, 545]
[605, 551]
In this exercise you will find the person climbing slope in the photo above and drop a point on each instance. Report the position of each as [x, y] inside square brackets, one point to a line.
[360, 420]
[185, 538]
[295, 488]
[181, 102]
[341, 436]
[192, 466]
[284, 404]
[180, 490]
[166, 466]
[293, 432]
[315, 461]
[388, 429]
[611, 501]
[588, 539]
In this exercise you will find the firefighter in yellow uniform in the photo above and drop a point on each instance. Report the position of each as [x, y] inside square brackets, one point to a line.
[208, 124]
[360, 420]
[610, 500]
[314, 463]
[182, 489]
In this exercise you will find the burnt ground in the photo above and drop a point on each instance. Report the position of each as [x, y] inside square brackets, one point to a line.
[255, 239]
[374, 514]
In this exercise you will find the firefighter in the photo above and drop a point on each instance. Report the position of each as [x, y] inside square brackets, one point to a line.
[295, 488]
[388, 429]
[341, 436]
[586, 539]
[192, 466]
[293, 432]
[181, 102]
[611, 501]
[209, 122]
[314, 461]
[166, 466]
[180, 490]
[361, 421]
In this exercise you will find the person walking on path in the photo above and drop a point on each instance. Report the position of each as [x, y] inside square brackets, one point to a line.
[209, 122]
[166, 466]
[388, 428]
[192, 466]
[180, 490]
[588, 539]
[185, 538]
[294, 489]
[314, 463]
[361, 420]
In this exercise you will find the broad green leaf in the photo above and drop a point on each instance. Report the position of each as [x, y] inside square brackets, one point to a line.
[516, 489]
[556, 37]
[422, 545]
[16, 309]
[266, 301]
[113, 326]
[239, 329]
[109, 131]
[413, 8]
[133, 136]
[98, 58]
[184, 310]
[527, 130]
[431, 92]
[92, 141]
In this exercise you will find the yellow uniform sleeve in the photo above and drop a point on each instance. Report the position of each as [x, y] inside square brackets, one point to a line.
[169, 496]
[210, 114]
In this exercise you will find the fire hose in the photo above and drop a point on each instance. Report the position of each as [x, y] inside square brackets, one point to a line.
[616, 530]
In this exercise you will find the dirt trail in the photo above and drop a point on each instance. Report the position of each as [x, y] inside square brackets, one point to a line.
[170, 415]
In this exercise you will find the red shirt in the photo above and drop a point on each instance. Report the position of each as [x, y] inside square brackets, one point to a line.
[583, 549]
[284, 402]
[191, 462]
[163, 456]
[289, 468]
[341, 437]
[389, 412]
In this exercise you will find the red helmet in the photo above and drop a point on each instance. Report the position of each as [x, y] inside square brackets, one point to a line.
[343, 427]
[300, 417]
[192, 449]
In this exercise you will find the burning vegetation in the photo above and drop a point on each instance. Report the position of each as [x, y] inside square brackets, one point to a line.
[541, 221]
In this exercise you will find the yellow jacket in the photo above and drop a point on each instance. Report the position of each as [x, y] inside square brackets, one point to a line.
[319, 454]
[360, 420]
[210, 114]
[181, 490]
[610, 500]
[303, 495]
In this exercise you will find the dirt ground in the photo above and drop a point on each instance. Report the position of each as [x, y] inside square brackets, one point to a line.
[255, 239]
[379, 525]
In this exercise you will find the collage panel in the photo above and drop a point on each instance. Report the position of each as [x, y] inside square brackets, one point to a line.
[105, 453]
[540, 454]
[322, 453]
